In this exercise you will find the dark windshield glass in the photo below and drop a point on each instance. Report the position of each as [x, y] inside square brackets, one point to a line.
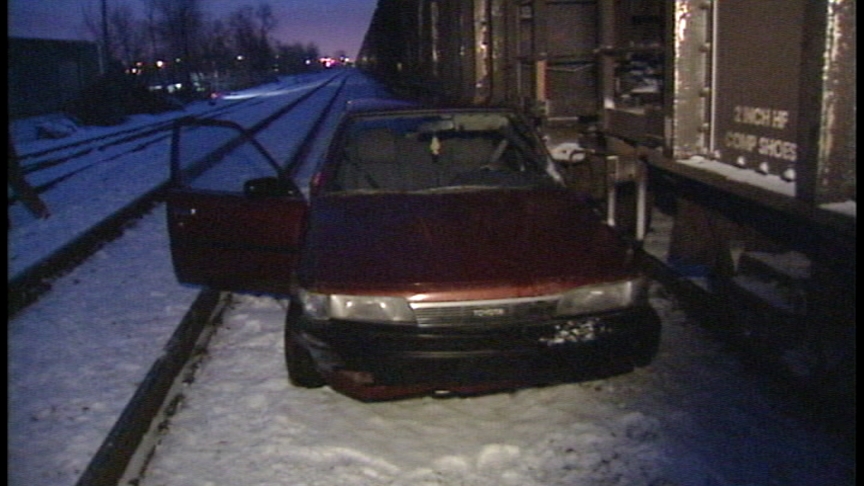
[410, 152]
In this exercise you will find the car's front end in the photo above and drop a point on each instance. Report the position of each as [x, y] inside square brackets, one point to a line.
[466, 291]
[376, 347]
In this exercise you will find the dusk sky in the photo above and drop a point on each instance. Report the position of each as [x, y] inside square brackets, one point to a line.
[332, 25]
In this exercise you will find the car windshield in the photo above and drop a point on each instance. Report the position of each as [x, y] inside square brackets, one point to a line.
[429, 152]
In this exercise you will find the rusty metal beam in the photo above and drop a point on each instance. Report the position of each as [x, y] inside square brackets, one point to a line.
[826, 171]
[689, 71]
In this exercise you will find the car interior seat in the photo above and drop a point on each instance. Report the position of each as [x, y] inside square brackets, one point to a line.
[372, 162]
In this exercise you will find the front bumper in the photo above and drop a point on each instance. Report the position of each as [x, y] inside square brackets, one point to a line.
[375, 361]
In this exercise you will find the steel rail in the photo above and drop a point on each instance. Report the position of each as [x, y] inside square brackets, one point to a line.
[147, 134]
[29, 285]
[125, 452]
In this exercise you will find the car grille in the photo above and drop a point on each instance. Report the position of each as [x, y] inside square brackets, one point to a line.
[487, 312]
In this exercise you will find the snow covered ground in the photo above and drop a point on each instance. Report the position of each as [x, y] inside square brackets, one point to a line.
[114, 176]
[77, 355]
[694, 417]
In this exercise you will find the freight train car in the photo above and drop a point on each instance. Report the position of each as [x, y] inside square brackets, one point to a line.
[750, 150]
[525, 53]
[737, 115]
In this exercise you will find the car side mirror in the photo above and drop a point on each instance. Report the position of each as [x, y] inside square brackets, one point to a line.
[269, 187]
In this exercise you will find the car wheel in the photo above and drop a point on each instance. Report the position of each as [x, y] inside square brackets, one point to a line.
[645, 350]
[301, 367]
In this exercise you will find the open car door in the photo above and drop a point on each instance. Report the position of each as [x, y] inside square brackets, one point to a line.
[235, 218]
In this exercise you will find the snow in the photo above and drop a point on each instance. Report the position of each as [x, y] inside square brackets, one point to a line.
[76, 356]
[784, 185]
[761, 179]
[567, 152]
[794, 264]
[119, 174]
[696, 416]
[770, 292]
[692, 418]
[845, 207]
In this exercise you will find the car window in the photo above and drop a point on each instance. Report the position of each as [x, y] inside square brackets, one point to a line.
[422, 152]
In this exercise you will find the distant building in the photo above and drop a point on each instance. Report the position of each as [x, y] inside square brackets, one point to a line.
[46, 73]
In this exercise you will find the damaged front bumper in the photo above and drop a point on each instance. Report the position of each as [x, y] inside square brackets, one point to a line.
[379, 361]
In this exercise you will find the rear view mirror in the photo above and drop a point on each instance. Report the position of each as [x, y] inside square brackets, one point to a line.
[269, 187]
[442, 125]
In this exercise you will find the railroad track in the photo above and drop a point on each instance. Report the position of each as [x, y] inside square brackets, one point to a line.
[127, 445]
[65, 161]
[126, 449]
[813, 397]
[26, 287]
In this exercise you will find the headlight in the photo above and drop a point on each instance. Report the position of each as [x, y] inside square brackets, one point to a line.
[356, 307]
[601, 297]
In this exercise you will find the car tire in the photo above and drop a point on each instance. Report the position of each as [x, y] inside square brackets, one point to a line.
[645, 350]
[301, 367]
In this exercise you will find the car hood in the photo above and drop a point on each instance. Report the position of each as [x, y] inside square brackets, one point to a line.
[540, 241]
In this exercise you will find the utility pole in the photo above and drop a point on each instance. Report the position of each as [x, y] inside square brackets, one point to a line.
[106, 46]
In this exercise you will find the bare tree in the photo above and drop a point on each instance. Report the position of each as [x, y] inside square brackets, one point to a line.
[128, 34]
[252, 28]
[152, 27]
[125, 31]
[180, 23]
[195, 47]
[297, 58]
[217, 53]
[245, 37]
[181, 20]
[267, 22]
